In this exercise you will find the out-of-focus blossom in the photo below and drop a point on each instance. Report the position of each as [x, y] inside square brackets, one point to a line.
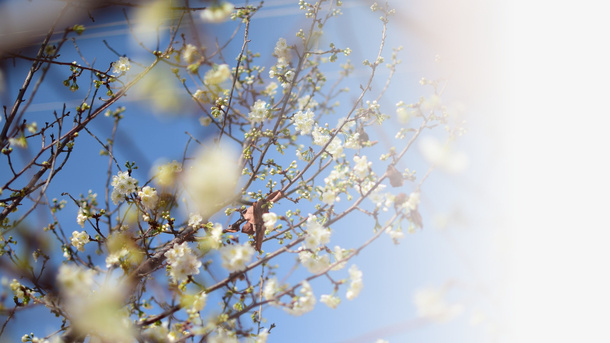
[282, 52]
[316, 233]
[269, 220]
[217, 13]
[443, 155]
[211, 178]
[355, 286]
[217, 75]
[431, 304]
[236, 257]
[330, 300]
[166, 174]
[305, 303]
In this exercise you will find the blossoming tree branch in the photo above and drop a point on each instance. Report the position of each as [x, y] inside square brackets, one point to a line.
[243, 222]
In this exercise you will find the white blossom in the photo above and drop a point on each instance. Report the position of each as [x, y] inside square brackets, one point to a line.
[211, 178]
[443, 155]
[355, 286]
[307, 102]
[74, 280]
[431, 102]
[157, 333]
[361, 168]
[305, 303]
[316, 233]
[303, 121]
[395, 235]
[236, 257]
[328, 197]
[347, 124]
[149, 197]
[405, 115]
[216, 233]
[123, 185]
[182, 262]
[320, 137]
[335, 148]
[195, 220]
[270, 290]
[198, 301]
[81, 217]
[190, 53]
[262, 336]
[282, 52]
[17, 289]
[217, 13]
[352, 141]
[165, 174]
[339, 254]
[271, 89]
[121, 66]
[412, 201]
[217, 75]
[114, 258]
[314, 263]
[330, 300]
[79, 239]
[258, 111]
[269, 220]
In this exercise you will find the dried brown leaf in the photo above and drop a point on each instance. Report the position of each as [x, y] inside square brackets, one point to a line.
[395, 176]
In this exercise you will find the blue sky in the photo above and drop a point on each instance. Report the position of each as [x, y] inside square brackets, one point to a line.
[392, 273]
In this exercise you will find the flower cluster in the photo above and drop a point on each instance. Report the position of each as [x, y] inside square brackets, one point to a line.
[355, 286]
[211, 178]
[362, 167]
[79, 239]
[17, 289]
[269, 220]
[114, 257]
[320, 135]
[149, 197]
[307, 102]
[182, 262]
[305, 303]
[235, 257]
[270, 290]
[258, 112]
[330, 300]
[396, 235]
[190, 53]
[194, 220]
[303, 121]
[314, 263]
[335, 148]
[121, 66]
[82, 216]
[217, 13]
[165, 175]
[217, 75]
[123, 185]
[74, 280]
[282, 52]
[316, 233]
